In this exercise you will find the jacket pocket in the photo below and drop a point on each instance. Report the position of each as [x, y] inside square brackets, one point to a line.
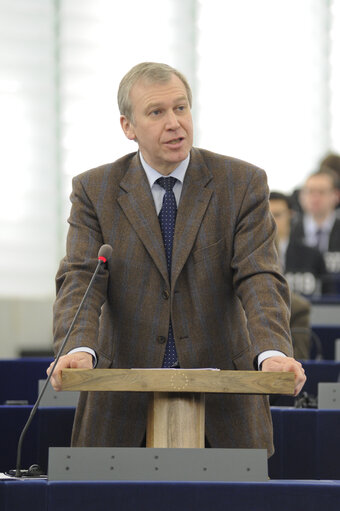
[209, 252]
[244, 361]
[104, 362]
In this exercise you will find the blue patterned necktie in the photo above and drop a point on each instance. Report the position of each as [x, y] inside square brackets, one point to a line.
[167, 220]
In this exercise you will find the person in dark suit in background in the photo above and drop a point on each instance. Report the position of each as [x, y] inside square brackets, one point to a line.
[319, 226]
[222, 302]
[331, 161]
[303, 266]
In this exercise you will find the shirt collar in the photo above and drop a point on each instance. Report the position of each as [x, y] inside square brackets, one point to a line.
[311, 226]
[153, 174]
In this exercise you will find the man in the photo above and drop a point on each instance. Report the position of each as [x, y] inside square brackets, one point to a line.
[221, 274]
[319, 226]
[303, 266]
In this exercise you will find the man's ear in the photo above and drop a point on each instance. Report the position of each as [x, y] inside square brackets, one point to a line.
[127, 127]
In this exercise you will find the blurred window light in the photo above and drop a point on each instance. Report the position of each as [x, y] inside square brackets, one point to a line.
[28, 192]
[263, 84]
[335, 76]
[265, 78]
[99, 41]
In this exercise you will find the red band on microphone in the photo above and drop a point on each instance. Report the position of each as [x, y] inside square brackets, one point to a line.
[101, 258]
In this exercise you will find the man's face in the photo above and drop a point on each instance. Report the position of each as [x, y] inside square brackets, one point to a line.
[161, 123]
[318, 197]
[282, 216]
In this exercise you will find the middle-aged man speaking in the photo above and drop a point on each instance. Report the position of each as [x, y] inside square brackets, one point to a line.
[193, 280]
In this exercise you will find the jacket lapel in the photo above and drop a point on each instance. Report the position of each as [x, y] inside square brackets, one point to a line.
[137, 203]
[194, 201]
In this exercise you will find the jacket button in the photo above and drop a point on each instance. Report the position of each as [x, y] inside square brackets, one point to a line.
[165, 294]
[161, 339]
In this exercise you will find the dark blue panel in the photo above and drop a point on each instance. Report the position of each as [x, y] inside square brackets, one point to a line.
[54, 430]
[281, 496]
[275, 462]
[327, 445]
[51, 427]
[295, 437]
[299, 443]
[19, 378]
[23, 495]
[320, 371]
[12, 421]
[327, 336]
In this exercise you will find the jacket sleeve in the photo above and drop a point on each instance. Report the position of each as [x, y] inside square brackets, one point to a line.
[257, 279]
[74, 274]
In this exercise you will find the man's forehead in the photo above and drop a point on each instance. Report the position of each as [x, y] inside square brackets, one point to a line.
[278, 204]
[149, 90]
[320, 181]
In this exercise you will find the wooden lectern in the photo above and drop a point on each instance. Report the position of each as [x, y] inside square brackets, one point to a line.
[176, 413]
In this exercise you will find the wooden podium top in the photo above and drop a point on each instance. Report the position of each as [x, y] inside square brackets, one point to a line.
[178, 380]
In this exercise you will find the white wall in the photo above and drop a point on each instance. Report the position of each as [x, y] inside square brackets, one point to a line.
[25, 324]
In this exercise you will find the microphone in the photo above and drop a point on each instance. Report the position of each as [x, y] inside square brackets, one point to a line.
[104, 255]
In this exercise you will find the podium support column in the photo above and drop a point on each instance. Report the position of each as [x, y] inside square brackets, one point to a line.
[176, 419]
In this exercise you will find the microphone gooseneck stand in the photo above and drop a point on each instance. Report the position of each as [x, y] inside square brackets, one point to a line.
[103, 255]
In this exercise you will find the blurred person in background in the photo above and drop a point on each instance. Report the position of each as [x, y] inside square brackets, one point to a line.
[318, 226]
[332, 162]
[303, 266]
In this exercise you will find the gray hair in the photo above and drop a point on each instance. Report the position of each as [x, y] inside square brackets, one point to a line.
[152, 72]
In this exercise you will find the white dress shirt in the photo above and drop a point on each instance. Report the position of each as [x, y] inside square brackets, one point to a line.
[157, 190]
[311, 228]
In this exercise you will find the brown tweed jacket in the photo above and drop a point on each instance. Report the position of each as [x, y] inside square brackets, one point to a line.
[227, 299]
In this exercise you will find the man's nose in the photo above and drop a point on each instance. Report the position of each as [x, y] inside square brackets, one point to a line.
[172, 122]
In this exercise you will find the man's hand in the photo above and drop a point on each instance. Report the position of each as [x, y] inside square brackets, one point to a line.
[273, 364]
[77, 360]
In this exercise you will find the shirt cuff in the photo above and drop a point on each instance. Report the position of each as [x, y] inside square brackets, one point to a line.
[87, 350]
[266, 354]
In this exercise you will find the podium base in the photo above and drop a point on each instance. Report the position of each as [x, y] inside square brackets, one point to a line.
[156, 464]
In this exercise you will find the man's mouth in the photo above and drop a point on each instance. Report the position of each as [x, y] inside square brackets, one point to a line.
[175, 141]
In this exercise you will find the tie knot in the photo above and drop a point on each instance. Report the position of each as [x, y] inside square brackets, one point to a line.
[167, 183]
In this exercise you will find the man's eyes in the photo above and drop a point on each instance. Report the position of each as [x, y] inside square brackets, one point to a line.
[158, 111]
